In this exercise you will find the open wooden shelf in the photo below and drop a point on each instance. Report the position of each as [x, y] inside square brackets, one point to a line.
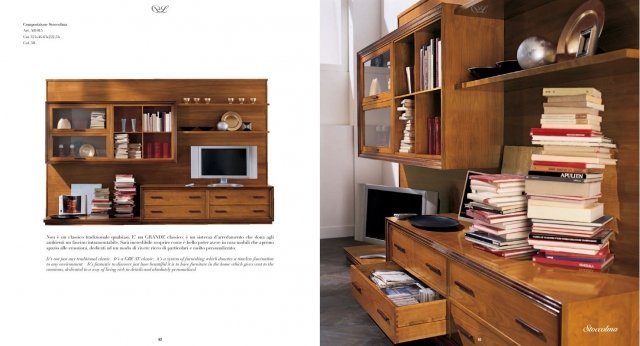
[576, 69]
[428, 91]
[421, 160]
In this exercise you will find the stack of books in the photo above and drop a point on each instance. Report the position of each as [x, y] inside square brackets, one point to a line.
[101, 204]
[391, 278]
[97, 120]
[409, 135]
[135, 151]
[564, 183]
[124, 195]
[498, 208]
[121, 146]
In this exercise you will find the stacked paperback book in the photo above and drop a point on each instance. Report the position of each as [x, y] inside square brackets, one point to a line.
[564, 183]
[121, 146]
[101, 204]
[498, 207]
[157, 122]
[409, 134]
[401, 288]
[124, 195]
[135, 150]
[97, 120]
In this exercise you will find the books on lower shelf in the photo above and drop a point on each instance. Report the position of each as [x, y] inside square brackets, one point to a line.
[569, 227]
[121, 146]
[407, 143]
[101, 203]
[498, 208]
[124, 195]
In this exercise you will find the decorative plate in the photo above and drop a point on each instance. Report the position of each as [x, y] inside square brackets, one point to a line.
[590, 14]
[87, 150]
[435, 223]
[232, 119]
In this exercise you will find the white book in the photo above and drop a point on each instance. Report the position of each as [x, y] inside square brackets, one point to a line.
[571, 91]
[592, 105]
[595, 127]
[566, 213]
[562, 158]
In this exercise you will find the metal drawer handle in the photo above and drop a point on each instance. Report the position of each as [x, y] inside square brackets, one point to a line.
[386, 319]
[195, 197]
[465, 289]
[194, 211]
[221, 197]
[466, 334]
[258, 211]
[357, 288]
[156, 212]
[531, 329]
[258, 197]
[401, 249]
[433, 269]
[221, 211]
[156, 197]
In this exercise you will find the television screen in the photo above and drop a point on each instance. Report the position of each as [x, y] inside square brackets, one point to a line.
[380, 202]
[228, 161]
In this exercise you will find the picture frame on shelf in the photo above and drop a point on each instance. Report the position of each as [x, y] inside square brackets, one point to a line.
[588, 42]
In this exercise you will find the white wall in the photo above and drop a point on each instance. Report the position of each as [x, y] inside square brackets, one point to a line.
[341, 170]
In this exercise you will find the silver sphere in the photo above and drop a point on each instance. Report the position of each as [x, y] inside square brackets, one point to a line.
[535, 51]
[222, 126]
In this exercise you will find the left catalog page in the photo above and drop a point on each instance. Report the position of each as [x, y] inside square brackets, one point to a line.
[161, 180]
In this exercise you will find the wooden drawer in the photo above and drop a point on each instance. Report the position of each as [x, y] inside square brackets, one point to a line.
[174, 197]
[473, 332]
[240, 196]
[400, 323]
[238, 211]
[519, 318]
[430, 267]
[174, 212]
[400, 247]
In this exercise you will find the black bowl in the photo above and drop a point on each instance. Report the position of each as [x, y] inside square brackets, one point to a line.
[484, 72]
[508, 66]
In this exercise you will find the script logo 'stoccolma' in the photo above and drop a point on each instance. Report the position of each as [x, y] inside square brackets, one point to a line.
[159, 9]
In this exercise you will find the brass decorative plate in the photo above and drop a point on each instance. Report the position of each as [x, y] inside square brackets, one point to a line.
[232, 119]
[590, 14]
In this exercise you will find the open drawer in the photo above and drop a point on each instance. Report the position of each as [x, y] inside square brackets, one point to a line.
[399, 323]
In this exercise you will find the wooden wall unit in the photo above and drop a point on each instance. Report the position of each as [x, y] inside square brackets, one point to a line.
[193, 124]
[497, 301]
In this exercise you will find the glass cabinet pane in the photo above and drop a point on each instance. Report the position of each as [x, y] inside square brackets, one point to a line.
[377, 127]
[377, 76]
[79, 146]
[79, 118]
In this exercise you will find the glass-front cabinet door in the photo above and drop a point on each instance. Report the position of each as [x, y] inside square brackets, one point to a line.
[376, 75]
[78, 132]
[375, 128]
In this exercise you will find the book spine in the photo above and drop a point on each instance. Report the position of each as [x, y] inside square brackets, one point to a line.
[560, 179]
[564, 132]
[575, 264]
[564, 238]
[437, 136]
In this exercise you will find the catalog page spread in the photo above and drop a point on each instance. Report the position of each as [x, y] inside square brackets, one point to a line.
[161, 173]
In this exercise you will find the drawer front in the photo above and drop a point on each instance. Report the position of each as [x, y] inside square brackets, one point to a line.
[400, 247]
[238, 211]
[241, 196]
[517, 317]
[173, 197]
[174, 212]
[473, 332]
[399, 323]
[430, 267]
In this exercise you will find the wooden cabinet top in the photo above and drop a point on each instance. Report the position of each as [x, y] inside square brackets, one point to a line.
[554, 284]
[200, 187]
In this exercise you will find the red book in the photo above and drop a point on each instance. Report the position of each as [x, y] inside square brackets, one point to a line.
[436, 131]
[575, 264]
[578, 165]
[149, 152]
[157, 150]
[431, 142]
[565, 132]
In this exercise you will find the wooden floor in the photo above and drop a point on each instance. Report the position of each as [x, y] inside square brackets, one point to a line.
[342, 321]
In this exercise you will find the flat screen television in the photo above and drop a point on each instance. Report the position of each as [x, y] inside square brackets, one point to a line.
[379, 202]
[224, 163]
